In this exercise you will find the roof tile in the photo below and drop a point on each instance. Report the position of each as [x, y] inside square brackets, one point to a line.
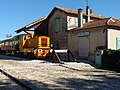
[104, 22]
[76, 12]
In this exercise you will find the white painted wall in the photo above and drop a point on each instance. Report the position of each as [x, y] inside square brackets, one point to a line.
[72, 22]
[112, 35]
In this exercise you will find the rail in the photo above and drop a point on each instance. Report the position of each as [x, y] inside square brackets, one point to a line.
[16, 80]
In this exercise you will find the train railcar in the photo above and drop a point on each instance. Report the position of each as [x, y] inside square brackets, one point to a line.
[26, 44]
[9, 45]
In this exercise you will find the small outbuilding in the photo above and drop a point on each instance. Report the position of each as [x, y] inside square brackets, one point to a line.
[105, 34]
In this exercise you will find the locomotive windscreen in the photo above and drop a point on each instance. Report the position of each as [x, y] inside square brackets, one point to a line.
[44, 42]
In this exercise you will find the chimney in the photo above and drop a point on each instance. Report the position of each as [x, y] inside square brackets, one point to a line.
[88, 11]
[80, 18]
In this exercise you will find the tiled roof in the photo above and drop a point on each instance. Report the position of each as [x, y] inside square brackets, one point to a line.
[113, 22]
[31, 25]
[66, 10]
[107, 21]
[97, 23]
[35, 22]
[104, 22]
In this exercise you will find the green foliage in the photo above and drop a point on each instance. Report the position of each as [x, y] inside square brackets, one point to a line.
[111, 59]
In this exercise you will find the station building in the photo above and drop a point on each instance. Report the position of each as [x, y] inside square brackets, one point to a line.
[101, 34]
[61, 20]
[56, 24]
[80, 32]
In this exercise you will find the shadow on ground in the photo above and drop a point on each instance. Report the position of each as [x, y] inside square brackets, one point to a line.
[6, 84]
[80, 84]
[91, 82]
[14, 58]
[96, 82]
[100, 82]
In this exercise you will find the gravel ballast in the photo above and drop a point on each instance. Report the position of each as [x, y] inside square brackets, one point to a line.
[69, 76]
[7, 84]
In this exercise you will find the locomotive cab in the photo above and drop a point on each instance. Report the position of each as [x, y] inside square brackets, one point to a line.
[22, 43]
[38, 46]
[43, 46]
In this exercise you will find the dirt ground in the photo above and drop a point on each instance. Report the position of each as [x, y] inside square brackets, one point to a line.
[42, 75]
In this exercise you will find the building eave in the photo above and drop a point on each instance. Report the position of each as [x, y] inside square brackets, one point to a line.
[31, 25]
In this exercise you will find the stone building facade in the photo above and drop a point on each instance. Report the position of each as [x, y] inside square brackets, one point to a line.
[61, 20]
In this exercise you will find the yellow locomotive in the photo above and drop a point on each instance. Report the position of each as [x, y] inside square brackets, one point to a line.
[26, 44]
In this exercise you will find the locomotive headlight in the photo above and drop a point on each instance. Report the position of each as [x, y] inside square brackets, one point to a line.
[40, 50]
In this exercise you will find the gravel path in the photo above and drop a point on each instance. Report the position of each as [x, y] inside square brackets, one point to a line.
[54, 76]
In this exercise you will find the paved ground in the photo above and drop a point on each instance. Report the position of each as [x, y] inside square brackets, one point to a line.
[54, 76]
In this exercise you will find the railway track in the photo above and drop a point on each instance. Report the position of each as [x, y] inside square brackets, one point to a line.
[17, 81]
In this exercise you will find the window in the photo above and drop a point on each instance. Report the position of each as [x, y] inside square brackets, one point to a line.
[20, 37]
[24, 37]
[29, 37]
[57, 24]
[117, 43]
[84, 20]
[76, 22]
[57, 44]
[72, 22]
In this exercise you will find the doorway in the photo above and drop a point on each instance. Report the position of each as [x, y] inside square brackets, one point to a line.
[83, 47]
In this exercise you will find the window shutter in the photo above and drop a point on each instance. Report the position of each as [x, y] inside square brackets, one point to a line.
[57, 25]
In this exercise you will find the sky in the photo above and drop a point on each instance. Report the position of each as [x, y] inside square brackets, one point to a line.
[15, 14]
